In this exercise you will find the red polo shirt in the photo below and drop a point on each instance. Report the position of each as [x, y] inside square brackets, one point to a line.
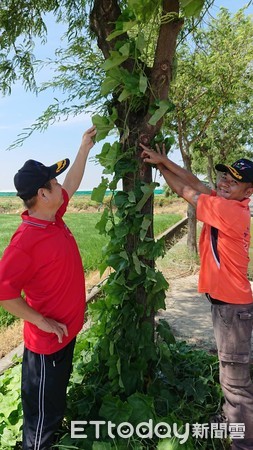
[43, 260]
[224, 252]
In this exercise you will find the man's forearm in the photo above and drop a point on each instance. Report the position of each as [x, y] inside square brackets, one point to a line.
[76, 171]
[161, 161]
[184, 190]
[19, 308]
[186, 176]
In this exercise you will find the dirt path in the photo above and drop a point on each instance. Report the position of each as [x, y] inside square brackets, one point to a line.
[188, 313]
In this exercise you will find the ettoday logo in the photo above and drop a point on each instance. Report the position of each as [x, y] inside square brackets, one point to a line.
[161, 430]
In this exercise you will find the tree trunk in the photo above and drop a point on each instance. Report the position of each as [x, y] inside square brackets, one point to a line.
[191, 212]
[192, 229]
[210, 171]
[103, 17]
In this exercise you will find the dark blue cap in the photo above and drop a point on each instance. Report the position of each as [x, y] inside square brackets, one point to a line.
[34, 175]
[241, 170]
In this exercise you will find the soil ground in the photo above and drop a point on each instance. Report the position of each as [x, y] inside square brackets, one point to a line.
[188, 313]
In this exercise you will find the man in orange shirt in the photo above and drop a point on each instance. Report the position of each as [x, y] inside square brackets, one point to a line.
[224, 248]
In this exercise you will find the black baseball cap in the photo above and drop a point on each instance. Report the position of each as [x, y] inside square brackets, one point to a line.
[241, 170]
[34, 175]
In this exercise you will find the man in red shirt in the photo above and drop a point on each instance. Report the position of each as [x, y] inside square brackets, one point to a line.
[43, 261]
[224, 248]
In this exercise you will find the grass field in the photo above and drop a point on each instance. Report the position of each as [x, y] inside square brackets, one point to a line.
[82, 225]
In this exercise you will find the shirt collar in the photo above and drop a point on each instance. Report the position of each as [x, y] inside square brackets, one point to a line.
[33, 221]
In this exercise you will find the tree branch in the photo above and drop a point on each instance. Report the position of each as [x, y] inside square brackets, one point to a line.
[205, 126]
[103, 17]
[162, 70]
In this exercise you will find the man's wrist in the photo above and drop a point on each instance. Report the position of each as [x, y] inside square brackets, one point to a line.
[38, 320]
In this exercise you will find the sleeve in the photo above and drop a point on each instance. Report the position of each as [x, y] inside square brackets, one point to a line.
[61, 211]
[216, 211]
[15, 272]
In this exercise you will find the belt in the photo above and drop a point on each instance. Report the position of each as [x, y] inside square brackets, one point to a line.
[215, 301]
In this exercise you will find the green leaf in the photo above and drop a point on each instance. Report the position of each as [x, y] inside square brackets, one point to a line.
[161, 283]
[101, 225]
[164, 330]
[169, 141]
[158, 300]
[168, 444]
[121, 27]
[163, 107]
[124, 94]
[115, 59]
[151, 249]
[108, 156]
[192, 7]
[125, 165]
[143, 84]
[104, 126]
[125, 49]
[131, 197]
[118, 261]
[140, 42]
[115, 410]
[142, 407]
[118, 366]
[144, 227]
[121, 230]
[144, 9]
[108, 85]
[148, 190]
[121, 199]
[98, 193]
[136, 262]
[102, 267]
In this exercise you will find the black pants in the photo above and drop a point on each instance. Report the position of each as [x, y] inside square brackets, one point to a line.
[44, 384]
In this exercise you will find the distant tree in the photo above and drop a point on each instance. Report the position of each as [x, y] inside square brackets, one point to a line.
[212, 97]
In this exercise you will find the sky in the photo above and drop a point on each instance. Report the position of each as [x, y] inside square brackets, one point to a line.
[62, 139]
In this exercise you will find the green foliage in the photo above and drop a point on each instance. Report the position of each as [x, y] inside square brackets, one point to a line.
[160, 109]
[182, 389]
[6, 318]
[212, 93]
[11, 409]
[144, 10]
[192, 7]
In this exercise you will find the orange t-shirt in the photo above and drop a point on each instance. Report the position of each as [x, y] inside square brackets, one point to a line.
[224, 248]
